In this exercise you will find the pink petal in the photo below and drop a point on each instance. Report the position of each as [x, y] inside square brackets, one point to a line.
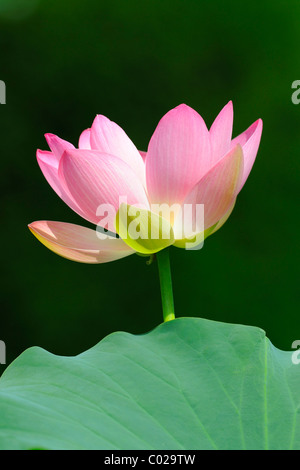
[221, 131]
[85, 140]
[95, 178]
[216, 190]
[249, 140]
[49, 161]
[48, 164]
[108, 137]
[78, 243]
[57, 145]
[178, 155]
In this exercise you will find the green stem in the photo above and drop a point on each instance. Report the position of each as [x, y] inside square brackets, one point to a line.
[164, 268]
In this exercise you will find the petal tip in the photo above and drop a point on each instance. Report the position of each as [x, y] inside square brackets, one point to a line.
[229, 106]
[38, 153]
[31, 228]
[260, 122]
[49, 137]
[257, 126]
[183, 107]
[99, 118]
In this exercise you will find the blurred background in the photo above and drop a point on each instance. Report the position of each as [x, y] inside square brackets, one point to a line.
[63, 62]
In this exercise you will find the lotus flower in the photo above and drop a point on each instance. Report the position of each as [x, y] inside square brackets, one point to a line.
[186, 164]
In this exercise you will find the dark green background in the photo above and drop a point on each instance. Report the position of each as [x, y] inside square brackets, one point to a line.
[66, 61]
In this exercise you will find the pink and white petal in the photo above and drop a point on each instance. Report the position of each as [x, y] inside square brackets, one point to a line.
[178, 155]
[96, 180]
[108, 137]
[58, 145]
[48, 164]
[249, 140]
[221, 132]
[78, 243]
[85, 140]
[216, 191]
